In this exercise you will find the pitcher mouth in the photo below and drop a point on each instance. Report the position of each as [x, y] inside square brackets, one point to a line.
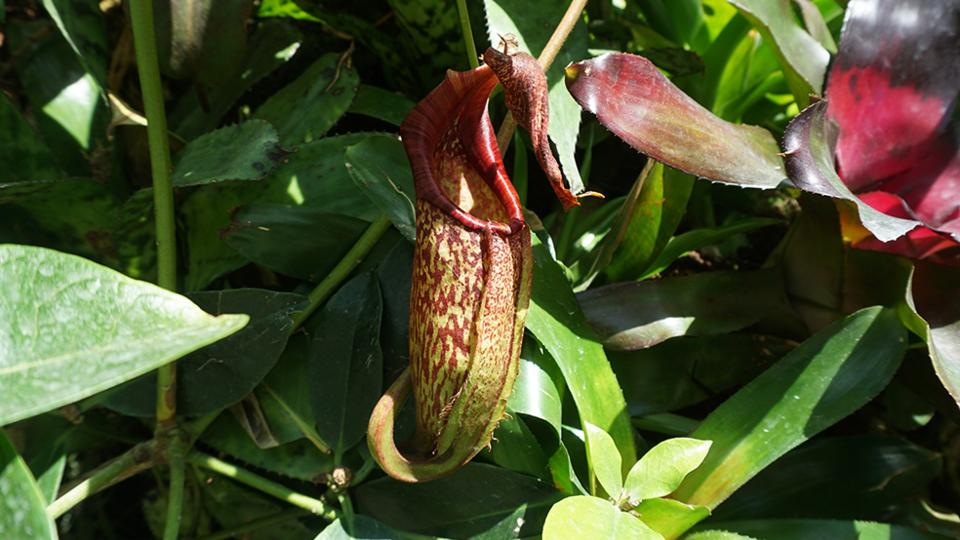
[449, 133]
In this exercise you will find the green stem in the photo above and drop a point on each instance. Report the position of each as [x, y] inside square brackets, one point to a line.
[467, 34]
[280, 491]
[171, 528]
[139, 458]
[346, 265]
[255, 524]
[145, 45]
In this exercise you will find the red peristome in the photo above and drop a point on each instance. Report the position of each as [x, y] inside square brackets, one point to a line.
[454, 155]
[884, 129]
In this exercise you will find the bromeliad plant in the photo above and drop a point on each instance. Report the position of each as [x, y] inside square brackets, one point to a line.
[471, 268]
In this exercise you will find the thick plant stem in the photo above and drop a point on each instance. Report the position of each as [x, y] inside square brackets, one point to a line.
[145, 46]
[141, 19]
[467, 34]
[280, 491]
[139, 458]
[546, 58]
[340, 272]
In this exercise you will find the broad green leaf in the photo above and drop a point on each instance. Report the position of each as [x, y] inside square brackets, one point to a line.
[247, 151]
[660, 471]
[65, 100]
[679, 245]
[298, 459]
[381, 104]
[679, 20]
[379, 167]
[306, 108]
[669, 517]
[650, 221]
[555, 319]
[23, 509]
[800, 54]
[636, 315]
[301, 242]
[592, 518]
[933, 294]
[201, 39]
[826, 378]
[360, 527]
[507, 529]
[604, 459]
[272, 44]
[314, 176]
[223, 373]
[232, 505]
[23, 155]
[515, 447]
[643, 108]
[83, 25]
[532, 28]
[285, 395]
[434, 29]
[72, 328]
[686, 370]
[717, 535]
[467, 502]
[346, 363]
[850, 477]
[814, 529]
[50, 479]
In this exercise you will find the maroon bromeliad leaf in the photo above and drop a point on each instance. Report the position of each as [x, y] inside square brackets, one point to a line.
[636, 102]
[893, 81]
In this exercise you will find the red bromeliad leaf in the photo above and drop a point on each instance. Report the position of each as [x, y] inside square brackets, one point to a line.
[636, 102]
[892, 83]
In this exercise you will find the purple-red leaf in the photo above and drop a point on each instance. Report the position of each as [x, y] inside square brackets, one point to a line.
[892, 83]
[636, 102]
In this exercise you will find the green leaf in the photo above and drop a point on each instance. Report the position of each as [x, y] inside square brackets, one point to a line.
[555, 319]
[381, 104]
[299, 459]
[813, 529]
[467, 502]
[515, 447]
[650, 221]
[532, 28]
[223, 373]
[686, 370]
[23, 155]
[669, 517]
[201, 39]
[23, 510]
[360, 527]
[679, 245]
[272, 44]
[849, 477]
[305, 109]
[604, 459]
[346, 364]
[301, 242]
[659, 472]
[65, 100]
[76, 328]
[379, 167]
[84, 27]
[801, 55]
[592, 518]
[826, 378]
[717, 535]
[285, 395]
[247, 151]
[932, 295]
[233, 505]
[636, 315]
